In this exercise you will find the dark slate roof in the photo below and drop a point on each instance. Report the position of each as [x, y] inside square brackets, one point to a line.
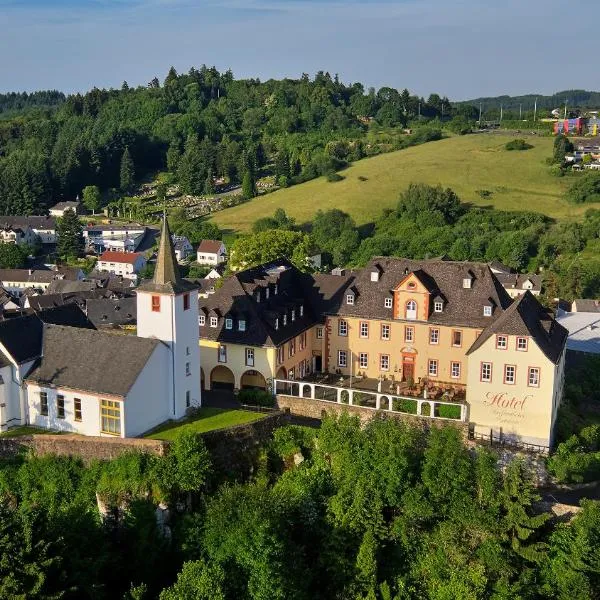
[167, 279]
[91, 361]
[129, 227]
[22, 336]
[517, 280]
[64, 286]
[527, 317]
[237, 299]
[109, 311]
[586, 305]
[35, 222]
[463, 307]
[29, 275]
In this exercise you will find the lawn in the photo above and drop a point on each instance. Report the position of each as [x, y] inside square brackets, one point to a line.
[207, 419]
[26, 430]
[467, 164]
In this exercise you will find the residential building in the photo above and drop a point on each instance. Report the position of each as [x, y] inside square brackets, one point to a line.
[216, 272]
[585, 305]
[114, 238]
[59, 210]
[183, 247]
[211, 253]
[264, 323]
[126, 264]
[112, 312]
[405, 323]
[515, 283]
[20, 236]
[65, 375]
[43, 227]
[16, 281]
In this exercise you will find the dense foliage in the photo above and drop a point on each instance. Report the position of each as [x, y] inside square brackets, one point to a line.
[518, 144]
[199, 126]
[379, 512]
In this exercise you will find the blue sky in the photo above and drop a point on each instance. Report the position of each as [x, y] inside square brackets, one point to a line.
[461, 48]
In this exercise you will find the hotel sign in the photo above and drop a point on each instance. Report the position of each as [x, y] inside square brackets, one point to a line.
[507, 409]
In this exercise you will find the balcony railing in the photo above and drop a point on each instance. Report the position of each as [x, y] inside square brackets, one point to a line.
[418, 407]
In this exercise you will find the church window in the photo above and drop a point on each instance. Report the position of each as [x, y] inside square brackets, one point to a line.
[186, 302]
[155, 303]
[110, 417]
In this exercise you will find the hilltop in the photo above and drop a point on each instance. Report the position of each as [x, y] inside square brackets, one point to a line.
[470, 165]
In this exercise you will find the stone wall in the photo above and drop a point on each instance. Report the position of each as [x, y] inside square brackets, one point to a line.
[86, 447]
[317, 409]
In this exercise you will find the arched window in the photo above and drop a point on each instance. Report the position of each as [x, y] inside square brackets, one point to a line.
[411, 309]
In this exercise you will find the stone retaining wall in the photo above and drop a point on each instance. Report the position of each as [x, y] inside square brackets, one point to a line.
[317, 409]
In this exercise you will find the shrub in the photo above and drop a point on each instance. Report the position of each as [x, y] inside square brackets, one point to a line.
[404, 405]
[256, 398]
[557, 171]
[518, 145]
[448, 412]
[578, 459]
[292, 439]
[585, 189]
[333, 177]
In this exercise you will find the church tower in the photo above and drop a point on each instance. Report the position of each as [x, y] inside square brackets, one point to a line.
[167, 309]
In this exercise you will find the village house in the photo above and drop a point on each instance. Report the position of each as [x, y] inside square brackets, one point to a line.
[515, 283]
[43, 227]
[211, 253]
[114, 238]
[183, 247]
[20, 236]
[59, 210]
[583, 324]
[64, 375]
[16, 281]
[126, 264]
[427, 328]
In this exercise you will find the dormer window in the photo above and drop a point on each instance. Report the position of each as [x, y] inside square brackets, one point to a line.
[242, 325]
[411, 309]
[293, 315]
[302, 310]
[277, 323]
[375, 276]
[387, 302]
[487, 311]
[267, 293]
[467, 281]
[284, 320]
[438, 306]
[214, 321]
[350, 299]
[228, 323]
[201, 320]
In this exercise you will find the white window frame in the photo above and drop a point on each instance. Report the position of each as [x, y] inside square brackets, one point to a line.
[363, 360]
[525, 347]
[438, 306]
[432, 372]
[504, 345]
[409, 334]
[455, 370]
[342, 355]
[437, 336]
[487, 311]
[214, 321]
[513, 377]
[319, 333]
[241, 325]
[343, 328]
[350, 299]
[222, 354]
[228, 323]
[249, 357]
[384, 362]
[536, 380]
[364, 329]
[485, 378]
[388, 302]
[202, 320]
[410, 313]
[386, 331]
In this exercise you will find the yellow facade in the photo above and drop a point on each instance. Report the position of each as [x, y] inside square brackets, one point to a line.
[523, 410]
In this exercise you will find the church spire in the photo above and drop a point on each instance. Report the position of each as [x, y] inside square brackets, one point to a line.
[166, 278]
[166, 270]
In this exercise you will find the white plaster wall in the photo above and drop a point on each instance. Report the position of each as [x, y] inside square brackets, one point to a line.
[148, 403]
[10, 413]
[90, 411]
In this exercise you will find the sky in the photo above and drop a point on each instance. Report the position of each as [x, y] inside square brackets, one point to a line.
[459, 48]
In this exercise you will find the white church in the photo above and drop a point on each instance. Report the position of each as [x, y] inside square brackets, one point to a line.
[57, 372]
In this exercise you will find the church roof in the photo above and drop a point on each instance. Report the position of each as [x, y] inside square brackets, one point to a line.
[166, 278]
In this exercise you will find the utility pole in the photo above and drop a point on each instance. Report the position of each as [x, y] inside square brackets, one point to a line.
[480, 109]
[535, 110]
[520, 112]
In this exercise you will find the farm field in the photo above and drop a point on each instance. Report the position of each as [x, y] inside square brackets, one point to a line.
[467, 164]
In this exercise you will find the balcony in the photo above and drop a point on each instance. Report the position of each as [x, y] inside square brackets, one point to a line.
[381, 395]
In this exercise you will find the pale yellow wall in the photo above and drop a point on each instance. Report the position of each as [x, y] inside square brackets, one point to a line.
[374, 346]
[523, 412]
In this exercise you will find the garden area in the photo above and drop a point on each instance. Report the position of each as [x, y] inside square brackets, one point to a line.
[203, 420]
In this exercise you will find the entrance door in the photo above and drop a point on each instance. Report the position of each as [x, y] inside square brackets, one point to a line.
[408, 368]
[318, 364]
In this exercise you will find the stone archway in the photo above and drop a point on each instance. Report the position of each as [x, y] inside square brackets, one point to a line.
[253, 380]
[221, 378]
[281, 373]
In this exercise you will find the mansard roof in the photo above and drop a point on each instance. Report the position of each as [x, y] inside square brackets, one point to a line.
[463, 306]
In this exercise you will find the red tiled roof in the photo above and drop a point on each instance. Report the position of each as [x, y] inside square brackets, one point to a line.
[210, 246]
[121, 257]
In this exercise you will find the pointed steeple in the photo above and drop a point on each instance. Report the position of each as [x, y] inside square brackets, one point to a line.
[166, 270]
[166, 278]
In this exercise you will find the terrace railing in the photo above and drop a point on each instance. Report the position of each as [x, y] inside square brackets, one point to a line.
[419, 407]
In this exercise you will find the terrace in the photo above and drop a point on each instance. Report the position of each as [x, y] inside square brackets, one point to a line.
[423, 400]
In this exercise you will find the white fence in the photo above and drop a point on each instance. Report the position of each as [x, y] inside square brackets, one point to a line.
[419, 407]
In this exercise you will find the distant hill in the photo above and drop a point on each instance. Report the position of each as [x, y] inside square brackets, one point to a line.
[12, 103]
[574, 98]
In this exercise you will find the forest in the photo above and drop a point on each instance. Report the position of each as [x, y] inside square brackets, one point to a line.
[382, 512]
[199, 126]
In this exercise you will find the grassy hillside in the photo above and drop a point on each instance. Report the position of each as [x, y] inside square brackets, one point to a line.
[517, 180]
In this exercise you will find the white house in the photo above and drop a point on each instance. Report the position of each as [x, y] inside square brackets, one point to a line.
[59, 210]
[16, 281]
[211, 253]
[68, 377]
[117, 238]
[126, 264]
[183, 247]
[20, 236]
[43, 227]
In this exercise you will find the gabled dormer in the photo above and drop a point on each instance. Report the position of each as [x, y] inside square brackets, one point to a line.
[468, 279]
[351, 295]
[412, 297]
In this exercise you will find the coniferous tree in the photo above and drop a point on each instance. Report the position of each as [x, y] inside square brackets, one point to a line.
[127, 173]
[173, 156]
[191, 172]
[209, 186]
[70, 236]
[248, 185]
